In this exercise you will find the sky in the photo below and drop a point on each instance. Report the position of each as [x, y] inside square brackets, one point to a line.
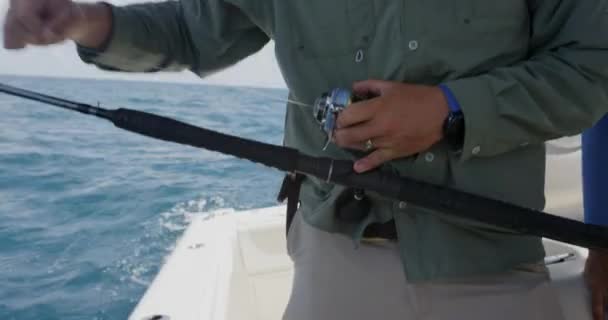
[259, 70]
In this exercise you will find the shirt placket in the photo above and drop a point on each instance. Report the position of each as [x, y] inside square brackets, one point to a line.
[361, 23]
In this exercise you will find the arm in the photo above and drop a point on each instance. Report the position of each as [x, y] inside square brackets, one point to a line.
[203, 36]
[200, 35]
[560, 90]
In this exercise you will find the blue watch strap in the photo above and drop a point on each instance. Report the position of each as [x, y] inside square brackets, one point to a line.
[449, 96]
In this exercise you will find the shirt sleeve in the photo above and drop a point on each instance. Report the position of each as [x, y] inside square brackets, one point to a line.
[560, 90]
[595, 173]
[203, 36]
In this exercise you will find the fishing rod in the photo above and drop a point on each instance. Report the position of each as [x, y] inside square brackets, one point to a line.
[448, 201]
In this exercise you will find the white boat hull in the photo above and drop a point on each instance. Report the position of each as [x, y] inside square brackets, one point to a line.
[234, 265]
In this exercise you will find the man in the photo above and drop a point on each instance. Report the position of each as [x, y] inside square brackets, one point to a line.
[513, 74]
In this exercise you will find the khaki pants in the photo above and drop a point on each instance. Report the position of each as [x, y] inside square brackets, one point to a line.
[333, 280]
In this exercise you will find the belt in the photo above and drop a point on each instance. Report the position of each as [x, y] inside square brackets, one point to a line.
[386, 231]
[290, 190]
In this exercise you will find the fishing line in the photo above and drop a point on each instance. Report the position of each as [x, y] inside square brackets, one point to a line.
[257, 92]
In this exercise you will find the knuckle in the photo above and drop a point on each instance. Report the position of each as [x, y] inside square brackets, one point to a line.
[345, 138]
[340, 121]
[390, 130]
[342, 118]
[378, 157]
[22, 15]
[341, 139]
[338, 141]
[387, 154]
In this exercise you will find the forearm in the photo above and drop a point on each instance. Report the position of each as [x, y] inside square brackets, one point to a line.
[144, 38]
[199, 35]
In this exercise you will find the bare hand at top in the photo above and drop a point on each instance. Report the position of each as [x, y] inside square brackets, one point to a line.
[45, 22]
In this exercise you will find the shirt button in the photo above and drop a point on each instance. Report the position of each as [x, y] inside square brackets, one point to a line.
[413, 45]
[429, 157]
[402, 205]
[476, 150]
[359, 56]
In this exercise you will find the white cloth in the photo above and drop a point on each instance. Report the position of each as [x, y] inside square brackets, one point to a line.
[333, 280]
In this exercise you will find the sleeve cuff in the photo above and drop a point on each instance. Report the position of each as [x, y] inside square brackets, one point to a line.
[120, 51]
[476, 99]
[88, 54]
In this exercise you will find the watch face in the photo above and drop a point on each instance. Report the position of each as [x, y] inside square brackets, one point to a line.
[454, 130]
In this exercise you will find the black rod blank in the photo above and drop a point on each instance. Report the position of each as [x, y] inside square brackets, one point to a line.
[448, 201]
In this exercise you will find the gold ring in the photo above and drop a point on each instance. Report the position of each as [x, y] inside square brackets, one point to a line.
[369, 145]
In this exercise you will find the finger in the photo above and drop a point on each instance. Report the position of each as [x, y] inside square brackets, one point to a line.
[59, 24]
[356, 135]
[43, 38]
[63, 18]
[371, 88]
[357, 113]
[14, 34]
[597, 304]
[374, 160]
[28, 15]
[377, 143]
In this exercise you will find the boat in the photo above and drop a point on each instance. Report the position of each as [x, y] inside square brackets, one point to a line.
[233, 265]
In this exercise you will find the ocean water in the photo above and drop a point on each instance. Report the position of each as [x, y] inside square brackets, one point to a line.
[88, 212]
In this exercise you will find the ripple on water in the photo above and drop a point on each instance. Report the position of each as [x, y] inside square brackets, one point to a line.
[88, 212]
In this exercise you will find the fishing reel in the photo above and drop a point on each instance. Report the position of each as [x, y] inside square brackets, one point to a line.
[327, 108]
[352, 204]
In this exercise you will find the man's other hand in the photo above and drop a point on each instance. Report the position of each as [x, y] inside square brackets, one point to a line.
[40, 22]
[45, 22]
[596, 275]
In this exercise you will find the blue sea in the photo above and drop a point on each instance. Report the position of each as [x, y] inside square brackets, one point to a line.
[88, 212]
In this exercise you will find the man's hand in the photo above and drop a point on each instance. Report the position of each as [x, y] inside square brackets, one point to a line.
[596, 275]
[45, 22]
[402, 120]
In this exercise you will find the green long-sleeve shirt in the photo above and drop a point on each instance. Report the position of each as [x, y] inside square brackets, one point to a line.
[523, 72]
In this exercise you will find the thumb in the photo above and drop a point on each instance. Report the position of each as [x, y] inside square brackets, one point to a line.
[371, 88]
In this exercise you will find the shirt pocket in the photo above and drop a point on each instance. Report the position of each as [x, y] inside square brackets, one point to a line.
[495, 10]
[499, 20]
[326, 29]
[469, 37]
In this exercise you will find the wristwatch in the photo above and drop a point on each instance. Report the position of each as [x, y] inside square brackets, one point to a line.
[453, 126]
[453, 130]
